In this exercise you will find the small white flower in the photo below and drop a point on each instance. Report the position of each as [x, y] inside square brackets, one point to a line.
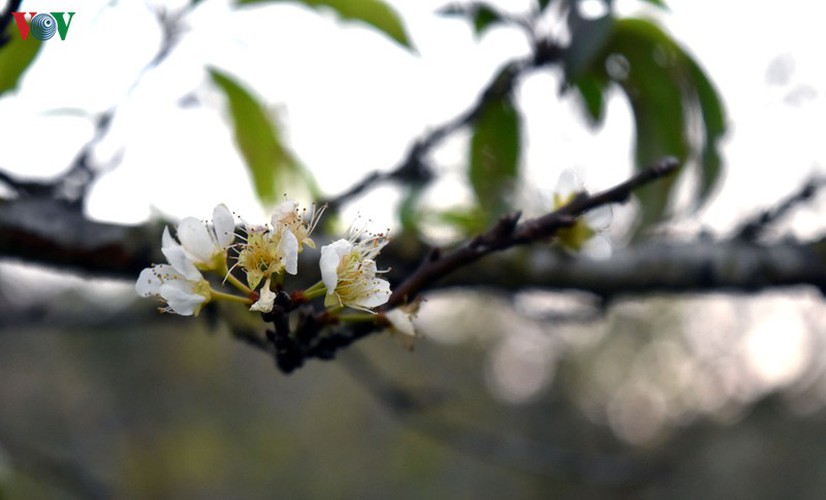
[585, 235]
[348, 270]
[272, 250]
[266, 253]
[184, 294]
[266, 300]
[205, 245]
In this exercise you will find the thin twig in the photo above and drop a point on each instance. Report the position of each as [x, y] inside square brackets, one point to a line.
[5, 20]
[414, 168]
[754, 228]
[307, 340]
[508, 233]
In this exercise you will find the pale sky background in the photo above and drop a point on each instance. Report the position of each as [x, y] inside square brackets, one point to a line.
[352, 101]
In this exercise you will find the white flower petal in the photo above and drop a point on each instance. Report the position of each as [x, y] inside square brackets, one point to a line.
[328, 263]
[167, 240]
[196, 240]
[282, 211]
[181, 297]
[148, 283]
[182, 264]
[569, 183]
[598, 248]
[599, 218]
[288, 247]
[224, 224]
[400, 322]
[378, 294]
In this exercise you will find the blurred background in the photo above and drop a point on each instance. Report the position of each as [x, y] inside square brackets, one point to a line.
[537, 386]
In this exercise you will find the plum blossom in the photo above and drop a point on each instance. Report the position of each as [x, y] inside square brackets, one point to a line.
[585, 235]
[270, 251]
[205, 245]
[264, 255]
[179, 284]
[348, 271]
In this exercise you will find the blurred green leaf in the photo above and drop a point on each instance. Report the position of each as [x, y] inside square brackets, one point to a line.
[543, 4]
[481, 15]
[494, 155]
[592, 91]
[468, 221]
[671, 99]
[272, 166]
[658, 3]
[409, 215]
[484, 17]
[376, 13]
[652, 84]
[588, 39]
[15, 57]
[714, 119]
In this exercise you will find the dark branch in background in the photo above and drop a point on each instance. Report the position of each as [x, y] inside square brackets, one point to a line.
[171, 33]
[754, 228]
[48, 231]
[72, 185]
[45, 222]
[414, 169]
[5, 20]
[701, 266]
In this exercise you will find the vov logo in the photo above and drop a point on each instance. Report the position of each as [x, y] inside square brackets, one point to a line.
[44, 25]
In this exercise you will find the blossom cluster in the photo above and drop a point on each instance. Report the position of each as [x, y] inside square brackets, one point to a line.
[256, 259]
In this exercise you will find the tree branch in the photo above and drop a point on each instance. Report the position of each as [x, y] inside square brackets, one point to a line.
[657, 267]
[507, 233]
[754, 228]
[413, 168]
[5, 20]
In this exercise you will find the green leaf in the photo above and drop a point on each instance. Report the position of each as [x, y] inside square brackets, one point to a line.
[15, 57]
[376, 13]
[653, 89]
[273, 167]
[714, 119]
[671, 100]
[467, 221]
[588, 40]
[480, 14]
[592, 91]
[494, 155]
[484, 17]
[657, 3]
[409, 212]
[543, 4]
